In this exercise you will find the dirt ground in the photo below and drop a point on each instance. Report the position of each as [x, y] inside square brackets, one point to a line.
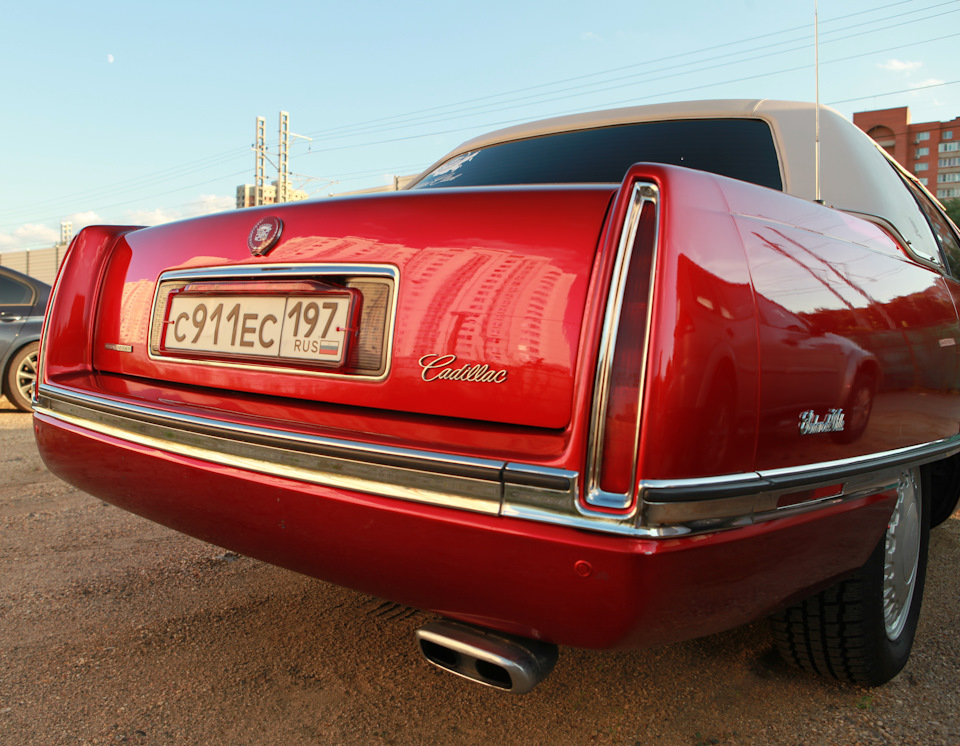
[116, 630]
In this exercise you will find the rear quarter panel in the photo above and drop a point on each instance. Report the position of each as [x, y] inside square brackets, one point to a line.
[801, 300]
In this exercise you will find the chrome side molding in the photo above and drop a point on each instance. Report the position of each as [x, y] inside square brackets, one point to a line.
[668, 508]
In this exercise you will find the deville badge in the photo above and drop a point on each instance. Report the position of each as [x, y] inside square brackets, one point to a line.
[264, 235]
[831, 422]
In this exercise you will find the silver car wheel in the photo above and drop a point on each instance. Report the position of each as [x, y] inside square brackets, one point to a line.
[26, 375]
[901, 556]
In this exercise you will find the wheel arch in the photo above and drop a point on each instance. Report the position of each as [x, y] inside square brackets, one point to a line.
[944, 481]
[19, 344]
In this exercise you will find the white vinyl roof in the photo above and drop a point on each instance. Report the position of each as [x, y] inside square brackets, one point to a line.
[854, 174]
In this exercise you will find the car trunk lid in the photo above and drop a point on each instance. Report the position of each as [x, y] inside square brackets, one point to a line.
[460, 303]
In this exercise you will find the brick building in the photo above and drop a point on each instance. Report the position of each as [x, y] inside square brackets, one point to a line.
[931, 150]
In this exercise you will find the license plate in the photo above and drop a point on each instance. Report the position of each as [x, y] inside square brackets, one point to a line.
[311, 328]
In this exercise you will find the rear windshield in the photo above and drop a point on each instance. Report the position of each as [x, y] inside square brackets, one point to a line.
[739, 148]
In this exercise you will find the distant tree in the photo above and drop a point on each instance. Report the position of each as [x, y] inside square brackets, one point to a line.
[953, 209]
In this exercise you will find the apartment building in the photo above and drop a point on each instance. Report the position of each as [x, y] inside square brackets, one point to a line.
[930, 150]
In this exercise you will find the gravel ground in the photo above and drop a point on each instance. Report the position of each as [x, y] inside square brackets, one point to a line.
[116, 630]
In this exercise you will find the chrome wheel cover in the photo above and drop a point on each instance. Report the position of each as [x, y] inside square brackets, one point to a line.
[26, 376]
[901, 555]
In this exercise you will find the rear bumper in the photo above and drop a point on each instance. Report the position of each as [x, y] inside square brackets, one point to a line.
[557, 583]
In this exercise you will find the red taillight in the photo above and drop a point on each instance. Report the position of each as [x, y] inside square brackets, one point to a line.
[71, 312]
[621, 424]
[615, 420]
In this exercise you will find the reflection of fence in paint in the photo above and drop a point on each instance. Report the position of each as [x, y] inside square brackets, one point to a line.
[39, 263]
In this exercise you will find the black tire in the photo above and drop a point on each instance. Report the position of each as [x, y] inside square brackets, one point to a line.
[861, 630]
[944, 489]
[21, 377]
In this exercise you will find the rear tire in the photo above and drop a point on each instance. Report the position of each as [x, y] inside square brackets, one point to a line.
[21, 376]
[944, 489]
[861, 630]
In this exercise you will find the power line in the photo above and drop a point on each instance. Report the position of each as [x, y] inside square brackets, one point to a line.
[158, 177]
[115, 205]
[410, 119]
[634, 99]
[669, 72]
[894, 93]
[502, 102]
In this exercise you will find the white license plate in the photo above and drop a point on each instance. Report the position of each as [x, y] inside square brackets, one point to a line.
[297, 327]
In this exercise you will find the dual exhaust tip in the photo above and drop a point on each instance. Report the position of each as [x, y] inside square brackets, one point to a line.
[506, 662]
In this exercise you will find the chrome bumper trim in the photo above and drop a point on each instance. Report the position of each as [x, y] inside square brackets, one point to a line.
[488, 486]
[464, 483]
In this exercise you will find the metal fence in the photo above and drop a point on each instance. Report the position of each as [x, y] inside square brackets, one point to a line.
[39, 263]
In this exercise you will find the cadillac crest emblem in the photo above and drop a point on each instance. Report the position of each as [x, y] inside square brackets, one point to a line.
[264, 235]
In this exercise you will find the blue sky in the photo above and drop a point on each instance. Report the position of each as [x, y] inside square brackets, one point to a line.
[126, 112]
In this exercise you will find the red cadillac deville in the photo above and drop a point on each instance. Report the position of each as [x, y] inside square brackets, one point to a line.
[607, 381]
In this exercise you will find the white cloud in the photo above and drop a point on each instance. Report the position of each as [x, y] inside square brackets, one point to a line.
[150, 217]
[899, 66]
[590, 36]
[80, 219]
[206, 204]
[110, 58]
[29, 236]
[927, 83]
[213, 203]
[38, 236]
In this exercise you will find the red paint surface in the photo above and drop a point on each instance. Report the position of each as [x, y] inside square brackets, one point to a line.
[768, 306]
[765, 307]
[508, 574]
[493, 278]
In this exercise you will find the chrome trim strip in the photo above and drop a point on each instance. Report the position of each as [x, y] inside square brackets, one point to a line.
[539, 487]
[273, 271]
[696, 506]
[896, 458]
[51, 307]
[467, 484]
[492, 487]
[760, 507]
[280, 270]
[643, 193]
[674, 519]
[792, 478]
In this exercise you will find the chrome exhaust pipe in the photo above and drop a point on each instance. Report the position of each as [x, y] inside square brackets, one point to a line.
[507, 662]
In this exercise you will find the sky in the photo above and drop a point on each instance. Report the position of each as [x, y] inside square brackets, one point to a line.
[141, 113]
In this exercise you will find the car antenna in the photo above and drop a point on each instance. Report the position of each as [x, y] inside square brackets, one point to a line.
[816, 76]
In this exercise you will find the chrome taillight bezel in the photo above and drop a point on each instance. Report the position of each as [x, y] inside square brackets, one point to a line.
[644, 197]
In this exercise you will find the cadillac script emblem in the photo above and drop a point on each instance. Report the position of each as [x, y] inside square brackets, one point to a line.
[435, 367]
[264, 235]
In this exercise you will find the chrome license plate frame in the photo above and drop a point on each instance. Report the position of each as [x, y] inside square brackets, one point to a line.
[304, 323]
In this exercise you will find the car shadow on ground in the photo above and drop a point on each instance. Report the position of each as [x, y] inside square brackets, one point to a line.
[6, 407]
